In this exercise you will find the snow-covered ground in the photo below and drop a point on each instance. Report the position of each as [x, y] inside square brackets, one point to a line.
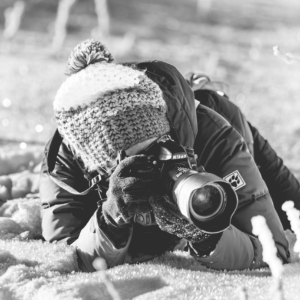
[233, 43]
[33, 269]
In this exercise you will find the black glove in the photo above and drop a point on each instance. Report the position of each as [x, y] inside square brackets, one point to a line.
[130, 186]
[169, 219]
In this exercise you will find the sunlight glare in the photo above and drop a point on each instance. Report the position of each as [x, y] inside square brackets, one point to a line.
[23, 145]
[6, 102]
[39, 128]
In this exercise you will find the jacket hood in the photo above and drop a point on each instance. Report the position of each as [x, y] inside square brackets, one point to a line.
[179, 98]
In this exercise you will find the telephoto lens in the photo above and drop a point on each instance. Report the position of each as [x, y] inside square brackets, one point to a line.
[205, 199]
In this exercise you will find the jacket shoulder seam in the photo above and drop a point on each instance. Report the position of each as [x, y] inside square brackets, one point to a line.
[225, 122]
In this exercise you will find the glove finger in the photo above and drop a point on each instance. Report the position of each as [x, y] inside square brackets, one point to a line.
[164, 204]
[137, 165]
[182, 228]
[136, 198]
[135, 160]
[138, 181]
[143, 172]
[170, 227]
[131, 184]
[138, 187]
[166, 217]
[117, 213]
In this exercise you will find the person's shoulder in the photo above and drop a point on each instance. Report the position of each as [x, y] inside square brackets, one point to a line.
[216, 131]
[215, 100]
[156, 65]
[208, 117]
[162, 70]
[227, 109]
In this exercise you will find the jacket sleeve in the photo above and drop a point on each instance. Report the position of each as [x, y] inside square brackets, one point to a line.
[223, 151]
[236, 250]
[73, 218]
[281, 183]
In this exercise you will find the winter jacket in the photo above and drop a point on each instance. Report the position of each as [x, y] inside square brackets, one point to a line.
[223, 144]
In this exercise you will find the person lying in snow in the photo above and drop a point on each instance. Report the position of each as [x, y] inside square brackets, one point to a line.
[107, 115]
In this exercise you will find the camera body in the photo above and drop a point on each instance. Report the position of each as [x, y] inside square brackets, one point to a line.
[205, 199]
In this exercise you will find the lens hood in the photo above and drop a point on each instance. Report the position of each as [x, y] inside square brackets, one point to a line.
[186, 186]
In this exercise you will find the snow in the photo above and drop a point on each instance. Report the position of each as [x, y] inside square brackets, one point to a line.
[31, 269]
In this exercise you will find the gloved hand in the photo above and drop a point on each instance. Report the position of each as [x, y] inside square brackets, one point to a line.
[169, 219]
[130, 186]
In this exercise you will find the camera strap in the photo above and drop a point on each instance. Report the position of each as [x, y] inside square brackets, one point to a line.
[94, 181]
[192, 158]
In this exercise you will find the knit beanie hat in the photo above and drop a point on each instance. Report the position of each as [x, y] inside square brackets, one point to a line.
[104, 107]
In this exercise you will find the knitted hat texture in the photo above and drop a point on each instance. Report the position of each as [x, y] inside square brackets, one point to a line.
[107, 107]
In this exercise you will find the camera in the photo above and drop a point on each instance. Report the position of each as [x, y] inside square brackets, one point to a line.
[205, 199]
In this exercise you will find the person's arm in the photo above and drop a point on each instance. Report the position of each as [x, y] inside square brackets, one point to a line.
[281, 183]
[236, 250]
[76, 219]
[222, 151]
